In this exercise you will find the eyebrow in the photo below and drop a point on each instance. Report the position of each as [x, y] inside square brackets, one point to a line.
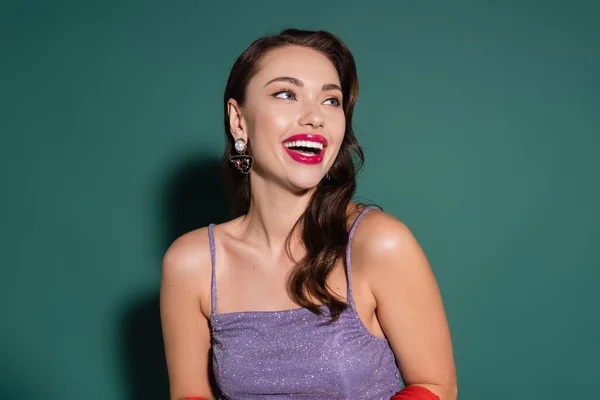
[298, 82]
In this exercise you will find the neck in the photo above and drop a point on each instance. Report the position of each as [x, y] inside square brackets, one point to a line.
[272, 214]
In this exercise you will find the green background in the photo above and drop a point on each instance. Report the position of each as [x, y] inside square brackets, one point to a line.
[480, 124]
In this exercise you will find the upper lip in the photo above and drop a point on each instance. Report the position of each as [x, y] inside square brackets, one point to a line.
[307, 137]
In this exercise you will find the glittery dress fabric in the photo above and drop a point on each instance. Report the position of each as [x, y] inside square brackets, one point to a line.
[295, 354]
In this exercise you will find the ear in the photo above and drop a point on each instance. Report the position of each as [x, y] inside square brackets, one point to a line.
[237, 125]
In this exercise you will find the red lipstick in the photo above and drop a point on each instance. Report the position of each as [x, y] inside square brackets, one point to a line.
[305, 148]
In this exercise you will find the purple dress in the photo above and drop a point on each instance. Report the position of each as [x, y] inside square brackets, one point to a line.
[295, 354]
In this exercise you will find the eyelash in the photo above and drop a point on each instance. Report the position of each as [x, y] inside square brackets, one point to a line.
[293, 93]
[277, 93]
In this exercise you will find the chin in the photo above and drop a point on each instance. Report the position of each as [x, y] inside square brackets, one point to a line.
[304, 182]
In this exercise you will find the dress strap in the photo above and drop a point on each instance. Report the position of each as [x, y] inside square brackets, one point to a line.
[348, 250]
[213, 260]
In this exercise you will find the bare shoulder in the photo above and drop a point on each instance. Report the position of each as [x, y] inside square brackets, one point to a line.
[380, 233]
[409, 306]
[189, 254]
[385, 248]
[186, 266]
[185, 310]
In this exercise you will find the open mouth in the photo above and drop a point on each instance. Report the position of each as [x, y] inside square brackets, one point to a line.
[305, 147]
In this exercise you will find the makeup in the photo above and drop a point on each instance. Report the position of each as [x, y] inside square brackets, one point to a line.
[306, 148]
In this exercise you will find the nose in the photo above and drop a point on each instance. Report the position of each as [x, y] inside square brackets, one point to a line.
[312, 116]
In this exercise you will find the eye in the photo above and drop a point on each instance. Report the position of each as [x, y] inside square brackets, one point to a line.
[285, 94]
[333, 101]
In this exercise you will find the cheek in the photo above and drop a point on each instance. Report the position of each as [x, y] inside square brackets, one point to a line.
[338, 128]
[270, 124]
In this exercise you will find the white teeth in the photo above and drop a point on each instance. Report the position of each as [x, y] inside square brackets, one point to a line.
[304, 143]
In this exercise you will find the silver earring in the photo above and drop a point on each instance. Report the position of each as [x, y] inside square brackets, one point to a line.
[242, 162]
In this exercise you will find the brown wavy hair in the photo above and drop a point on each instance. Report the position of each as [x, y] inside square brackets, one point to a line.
[324, 223]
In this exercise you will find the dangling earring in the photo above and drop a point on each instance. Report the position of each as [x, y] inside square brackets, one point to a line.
[242, 162]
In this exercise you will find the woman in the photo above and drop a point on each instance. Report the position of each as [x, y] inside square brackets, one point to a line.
[306, 295]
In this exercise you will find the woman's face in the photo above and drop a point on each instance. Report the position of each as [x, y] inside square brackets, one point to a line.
[293, 117]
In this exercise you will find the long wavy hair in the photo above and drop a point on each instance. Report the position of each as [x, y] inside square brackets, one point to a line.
[324, 223]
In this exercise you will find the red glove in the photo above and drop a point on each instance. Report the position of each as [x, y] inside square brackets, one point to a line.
[415, 393]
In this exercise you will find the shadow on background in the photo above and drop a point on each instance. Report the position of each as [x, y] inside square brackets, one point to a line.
[193, 198]
[9, 392]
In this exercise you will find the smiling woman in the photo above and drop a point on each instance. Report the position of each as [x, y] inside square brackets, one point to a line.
[304, 294]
